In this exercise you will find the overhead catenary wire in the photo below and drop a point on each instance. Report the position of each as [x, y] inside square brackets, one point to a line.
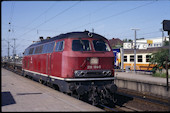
[51, 6]
[10, 28]
[51, 18]
[114, 15]
[96, 19]
[142, 34]
[63, 11]
[102, 18]
[97, 10]
[10, 19]
[77, 19]
[105, 18]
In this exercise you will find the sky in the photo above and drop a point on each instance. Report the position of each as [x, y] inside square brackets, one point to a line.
[26, 21]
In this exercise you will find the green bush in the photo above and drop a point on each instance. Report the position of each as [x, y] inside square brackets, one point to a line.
[163, 75]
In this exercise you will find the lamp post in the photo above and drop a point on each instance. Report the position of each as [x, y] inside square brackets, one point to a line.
[135, 50]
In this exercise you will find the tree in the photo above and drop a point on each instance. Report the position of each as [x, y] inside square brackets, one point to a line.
[159, 59]
[127, 40]
[166, 43]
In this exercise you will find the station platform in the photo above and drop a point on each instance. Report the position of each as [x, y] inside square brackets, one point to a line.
[20, 94]
[142, 83]
[141, 77]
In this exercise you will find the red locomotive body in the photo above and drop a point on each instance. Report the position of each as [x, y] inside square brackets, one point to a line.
[76, 62]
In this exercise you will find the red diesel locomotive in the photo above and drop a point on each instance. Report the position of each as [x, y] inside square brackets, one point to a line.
[75, 62]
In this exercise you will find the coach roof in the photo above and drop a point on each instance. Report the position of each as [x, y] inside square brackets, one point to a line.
[84, 34]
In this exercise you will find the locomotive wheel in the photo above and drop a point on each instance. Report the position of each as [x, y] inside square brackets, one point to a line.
[24, 74]
[40, 81]
[93, 96]
[56, 87]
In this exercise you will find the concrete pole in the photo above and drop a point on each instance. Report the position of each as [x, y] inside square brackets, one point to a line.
[169, 43]
[8, 51]
[122, 58]
[135, 51]
[14, 51]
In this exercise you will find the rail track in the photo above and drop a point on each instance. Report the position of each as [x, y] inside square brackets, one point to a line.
[127, 100]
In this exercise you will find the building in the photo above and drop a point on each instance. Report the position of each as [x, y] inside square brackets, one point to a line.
[146, 43]
[142, 58]
[116, 43]
[144, 50]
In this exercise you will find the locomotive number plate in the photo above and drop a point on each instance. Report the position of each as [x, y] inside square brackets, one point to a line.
[93, 67]
[94, 61]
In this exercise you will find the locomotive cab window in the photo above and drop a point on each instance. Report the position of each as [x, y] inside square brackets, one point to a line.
[81, 45]
[100, 45]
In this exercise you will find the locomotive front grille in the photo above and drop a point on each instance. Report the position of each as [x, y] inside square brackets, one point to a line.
[92, 73]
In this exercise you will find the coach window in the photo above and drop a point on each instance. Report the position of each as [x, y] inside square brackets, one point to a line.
[131, 58]
[81, 45]
[139, 58]
[148, 57]
[125, 58]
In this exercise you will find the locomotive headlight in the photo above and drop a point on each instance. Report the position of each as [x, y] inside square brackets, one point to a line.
[94, 61]
[77, 73]
[80, 73]
[109, 73]
[105, 73]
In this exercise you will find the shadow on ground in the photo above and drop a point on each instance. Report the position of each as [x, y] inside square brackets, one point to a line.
[7, 99]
